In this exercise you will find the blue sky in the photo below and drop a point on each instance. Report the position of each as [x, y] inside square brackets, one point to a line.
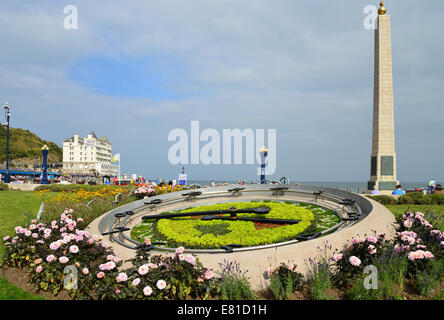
[155, 77]
[134, 71]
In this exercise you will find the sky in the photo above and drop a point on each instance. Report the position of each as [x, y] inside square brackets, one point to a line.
[135, 70]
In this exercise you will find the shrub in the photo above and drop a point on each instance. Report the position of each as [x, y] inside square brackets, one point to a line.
[166, 277]
[360, 252]
[359, 292]
[320, 276]
[234, 283]
[417, 198]
[383, 199]
[3, 186]
[45, 250]
[425, 282]
[437, 199]
[284, 281]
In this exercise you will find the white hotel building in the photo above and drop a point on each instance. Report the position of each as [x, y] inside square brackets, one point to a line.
[88, 156]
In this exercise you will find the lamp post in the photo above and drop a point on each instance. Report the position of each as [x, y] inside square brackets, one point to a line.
[8, 115]
[45, 165]
[263, 153]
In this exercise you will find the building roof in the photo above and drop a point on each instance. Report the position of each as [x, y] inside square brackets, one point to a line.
[93, 134]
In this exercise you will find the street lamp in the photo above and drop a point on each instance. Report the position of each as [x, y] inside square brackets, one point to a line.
[45, 165]
[263, 153]
[8, 115]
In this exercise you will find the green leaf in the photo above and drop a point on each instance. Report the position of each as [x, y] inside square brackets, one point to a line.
[44, 285]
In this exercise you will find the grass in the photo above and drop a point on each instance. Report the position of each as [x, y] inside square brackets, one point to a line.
[11, 292]
[17, 207]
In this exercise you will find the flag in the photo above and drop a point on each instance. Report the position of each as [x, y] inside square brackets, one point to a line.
[116, 157]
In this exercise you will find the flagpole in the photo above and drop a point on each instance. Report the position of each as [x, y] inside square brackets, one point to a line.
[119, 170]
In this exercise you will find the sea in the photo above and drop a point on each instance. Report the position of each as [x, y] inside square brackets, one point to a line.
[355, 187]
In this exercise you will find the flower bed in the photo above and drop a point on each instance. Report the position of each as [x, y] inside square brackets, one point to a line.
[153, 189]
[193, 232]
[63, 256]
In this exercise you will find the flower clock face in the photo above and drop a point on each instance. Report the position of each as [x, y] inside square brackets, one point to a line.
[194, 232]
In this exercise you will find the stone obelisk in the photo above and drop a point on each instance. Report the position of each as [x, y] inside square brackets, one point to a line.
[383, 157]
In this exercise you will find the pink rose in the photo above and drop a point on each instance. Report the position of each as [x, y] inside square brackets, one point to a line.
[63, 259]
[74, 249]
[354, 261]
[143, 270]
[136, 282]
[122, 277]
[208, 275]
[39, 269]
[147, 291]
[190, 259]
[101, 274]
[161, 284]
[337, 257]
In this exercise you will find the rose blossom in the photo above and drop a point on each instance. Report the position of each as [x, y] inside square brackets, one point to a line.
[179, 250]
[147, 241]
[354, 261]
[143, 269]
[54, 246]
[372, 240]
[136, 282]
[337, 257]
[190, 259]
[85, 271]
[161, 284]
[73, 249]
[372, 249]
[50, 258]
[122, 277]
[408, 223]
[428, 255]
[6, 238]
[39, 269]
[147, 291]
[208, 275]
[63, 259]
[101, 274]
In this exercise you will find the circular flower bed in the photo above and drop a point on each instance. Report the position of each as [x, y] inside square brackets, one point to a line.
[193, 232]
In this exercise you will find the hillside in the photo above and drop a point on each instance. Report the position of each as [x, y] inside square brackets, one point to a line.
[25, 148]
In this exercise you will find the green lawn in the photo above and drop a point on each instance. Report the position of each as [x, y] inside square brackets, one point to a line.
[16, 208]
[11, 292]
